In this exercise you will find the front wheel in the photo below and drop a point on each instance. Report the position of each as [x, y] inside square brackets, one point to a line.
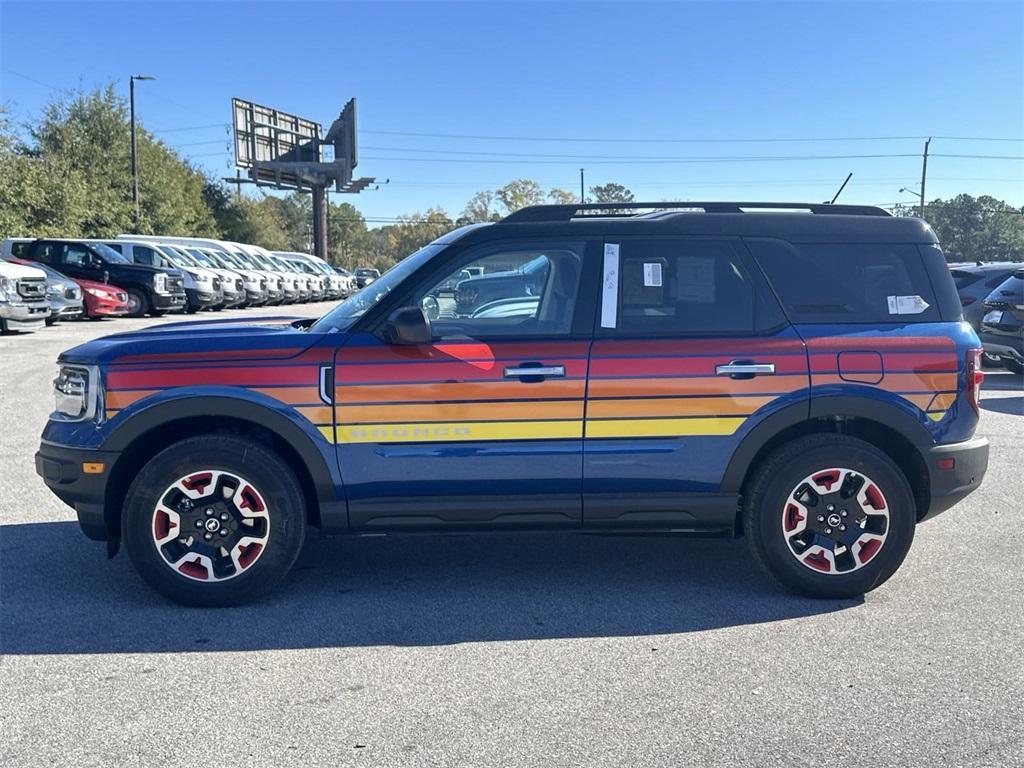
[138, 304]
[829, 516]
[214, 520]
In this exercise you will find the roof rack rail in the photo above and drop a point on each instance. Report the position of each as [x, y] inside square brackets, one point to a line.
[555, 213]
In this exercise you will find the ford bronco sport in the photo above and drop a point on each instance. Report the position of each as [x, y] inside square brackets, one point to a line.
[796, 374]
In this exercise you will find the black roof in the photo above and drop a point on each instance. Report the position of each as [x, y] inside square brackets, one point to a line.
[796, 222]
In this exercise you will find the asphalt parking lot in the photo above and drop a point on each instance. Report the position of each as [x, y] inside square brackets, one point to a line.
[489, 651]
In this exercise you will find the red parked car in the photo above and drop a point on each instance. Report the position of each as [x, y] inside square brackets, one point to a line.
[103, 299]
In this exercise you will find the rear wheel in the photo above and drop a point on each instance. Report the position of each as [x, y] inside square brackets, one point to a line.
[829, 516]
[214, 520]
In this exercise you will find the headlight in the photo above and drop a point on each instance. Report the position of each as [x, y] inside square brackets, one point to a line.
[8, 288]
[160, 283]
[76, 392]
[199, 277]
[99, 293]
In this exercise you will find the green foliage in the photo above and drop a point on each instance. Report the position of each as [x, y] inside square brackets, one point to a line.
[974, 228]
[610, 193]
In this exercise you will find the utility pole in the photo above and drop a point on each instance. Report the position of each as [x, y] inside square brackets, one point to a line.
[135, 161]
[583, 197]
[924, 174]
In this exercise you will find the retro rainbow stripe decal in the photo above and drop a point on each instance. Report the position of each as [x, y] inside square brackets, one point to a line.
[633, 389]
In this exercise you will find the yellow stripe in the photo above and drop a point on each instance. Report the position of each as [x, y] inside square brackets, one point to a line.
[936, 415]
[455, 431]
[663, 427]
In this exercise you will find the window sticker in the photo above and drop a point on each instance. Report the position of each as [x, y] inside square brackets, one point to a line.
[695, 277]
[652, 275]
[907, 305]
[610, 286]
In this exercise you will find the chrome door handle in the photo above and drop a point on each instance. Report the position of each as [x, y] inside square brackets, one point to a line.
[748, 369]
[555, 371]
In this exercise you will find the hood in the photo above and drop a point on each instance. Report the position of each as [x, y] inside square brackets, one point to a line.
[7, 269]
[143, 271]
[265, 338]
[85, 284]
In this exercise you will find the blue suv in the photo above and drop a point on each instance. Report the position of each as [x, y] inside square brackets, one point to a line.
[799, 375]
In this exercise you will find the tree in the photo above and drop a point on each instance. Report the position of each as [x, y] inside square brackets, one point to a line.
[611, 193]
[481, 207]
[562, 196]
[974, 228]
[520, 193]
[347, 236]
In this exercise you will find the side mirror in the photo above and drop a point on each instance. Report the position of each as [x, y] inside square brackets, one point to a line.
[407, 325]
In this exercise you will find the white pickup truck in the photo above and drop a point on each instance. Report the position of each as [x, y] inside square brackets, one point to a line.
[23, 304]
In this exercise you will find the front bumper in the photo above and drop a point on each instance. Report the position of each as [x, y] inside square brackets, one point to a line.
[22, 315]
[168, 302]
[63, 471]
[948, 486]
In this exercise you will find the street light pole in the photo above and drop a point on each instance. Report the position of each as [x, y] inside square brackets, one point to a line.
[135, 161]
[583, 196]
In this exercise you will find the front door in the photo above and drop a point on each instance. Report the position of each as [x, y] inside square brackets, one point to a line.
[483, 426]
[691, 352]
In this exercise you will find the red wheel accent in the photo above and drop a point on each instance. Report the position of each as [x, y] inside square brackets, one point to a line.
[251, 500]
[868, 549]
[248, 554]
[793, 518]
[818, 562]
[162, 525]
[827, 479]
[194, 569]
[198, 482]
[874, 497]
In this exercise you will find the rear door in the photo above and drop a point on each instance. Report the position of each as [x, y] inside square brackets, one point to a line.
[690, 354]
[483, 426]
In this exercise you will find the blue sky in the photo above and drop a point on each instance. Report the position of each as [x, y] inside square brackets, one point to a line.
[624, 71]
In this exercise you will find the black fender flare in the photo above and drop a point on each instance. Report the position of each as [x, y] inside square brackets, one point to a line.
[213, 406]
[866, 407]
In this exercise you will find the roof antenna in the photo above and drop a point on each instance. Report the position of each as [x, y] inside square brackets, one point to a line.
[841, 188]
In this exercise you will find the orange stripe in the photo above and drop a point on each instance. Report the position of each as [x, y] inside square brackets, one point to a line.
[899, 382]
[318, 414]
[459, 390]
[673, 407]
[118, 400]
[290, 395]
[396, 414]
[701, 385]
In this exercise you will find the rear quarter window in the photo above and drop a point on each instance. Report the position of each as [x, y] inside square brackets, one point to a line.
[848, 282]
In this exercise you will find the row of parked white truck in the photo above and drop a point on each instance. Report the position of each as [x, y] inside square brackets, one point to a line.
[158, 274]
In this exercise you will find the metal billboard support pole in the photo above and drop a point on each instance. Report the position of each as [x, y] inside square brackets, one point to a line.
[319, 222]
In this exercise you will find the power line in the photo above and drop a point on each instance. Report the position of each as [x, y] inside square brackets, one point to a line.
[682, 160]
[31, 79]
[578, 139]
[191, 128]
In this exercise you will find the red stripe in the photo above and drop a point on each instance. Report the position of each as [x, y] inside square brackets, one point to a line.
[683, 348]
[437, 371]
[475, 351]
[840, 343]
[686, 366]
[254, 376]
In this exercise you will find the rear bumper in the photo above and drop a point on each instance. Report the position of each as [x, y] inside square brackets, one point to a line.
[62, 470]
[949, 486]
[1003, 344]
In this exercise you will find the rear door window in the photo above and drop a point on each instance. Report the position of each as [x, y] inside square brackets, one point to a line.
[848, 282]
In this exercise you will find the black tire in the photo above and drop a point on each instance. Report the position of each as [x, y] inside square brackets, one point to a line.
[50, 321]
[1013, 366]
[137, 298]
[273, 480]
[157, 313]
[776, 478]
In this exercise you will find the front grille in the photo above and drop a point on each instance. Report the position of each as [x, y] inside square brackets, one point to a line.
[175, 284]
[31, 288]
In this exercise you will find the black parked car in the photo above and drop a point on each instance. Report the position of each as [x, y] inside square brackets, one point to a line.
[365, 276]
[474, 292]
[974, 282]
[153, 290]
[1002, 325]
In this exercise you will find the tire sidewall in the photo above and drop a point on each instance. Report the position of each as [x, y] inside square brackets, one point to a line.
[272, 479]
[141, 310]
[783, 479]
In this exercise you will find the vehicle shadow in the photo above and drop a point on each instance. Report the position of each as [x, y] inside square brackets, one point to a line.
[59, 595]
[1011, 405]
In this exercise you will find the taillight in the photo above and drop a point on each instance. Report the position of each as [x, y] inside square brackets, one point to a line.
[974, 378]
[966, 301]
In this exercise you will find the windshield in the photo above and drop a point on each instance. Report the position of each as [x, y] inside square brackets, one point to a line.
[202, 258]
[109, 253]
[217, 259]
[346, 313]
[178, 256]
[245, 260]
[229, 259]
